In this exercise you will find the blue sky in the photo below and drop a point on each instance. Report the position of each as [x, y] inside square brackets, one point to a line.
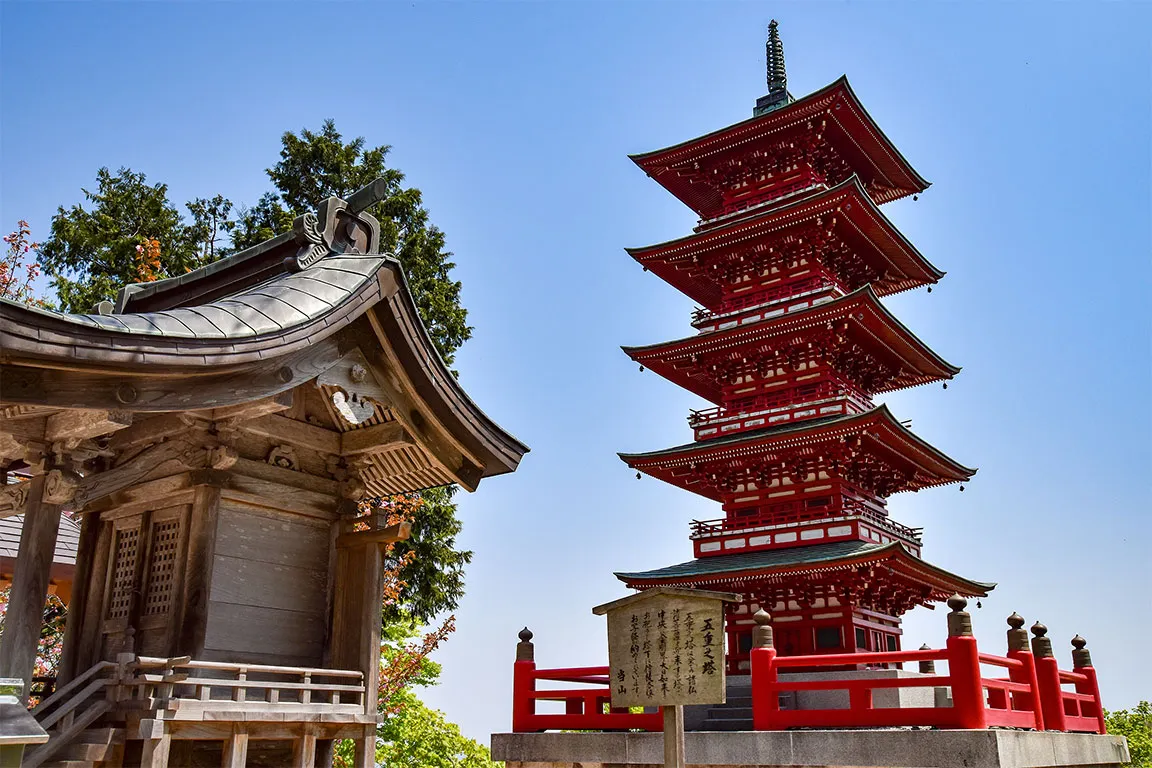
[515, 119]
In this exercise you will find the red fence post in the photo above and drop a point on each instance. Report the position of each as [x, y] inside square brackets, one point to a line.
[765, 697]
[1048, 680]
[524, 685]
[1018, 650]
[1082, 663]
[964, 668]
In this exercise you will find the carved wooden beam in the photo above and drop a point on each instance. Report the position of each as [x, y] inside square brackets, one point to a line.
[153, 430]
[381, 536]
[284, 430]
[66, 487]
[276, 404]
[12, 498]
[378, 438]
[81, 425]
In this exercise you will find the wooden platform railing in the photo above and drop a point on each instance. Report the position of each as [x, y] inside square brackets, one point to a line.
[186, 690]
[1029, 696]
[585, 709]
[191, 686]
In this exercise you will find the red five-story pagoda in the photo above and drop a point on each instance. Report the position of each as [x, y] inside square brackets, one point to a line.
[788, 261]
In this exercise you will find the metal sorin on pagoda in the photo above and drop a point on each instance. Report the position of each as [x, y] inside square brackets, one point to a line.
[788, 263]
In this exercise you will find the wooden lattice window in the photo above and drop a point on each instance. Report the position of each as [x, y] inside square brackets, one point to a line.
[162, 569]
[123, 572]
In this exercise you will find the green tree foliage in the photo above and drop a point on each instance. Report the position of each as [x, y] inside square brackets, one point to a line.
[91, 251]
[317, 165]
[434, 578]
[420, 737]
[1136, 726]
[413, 735]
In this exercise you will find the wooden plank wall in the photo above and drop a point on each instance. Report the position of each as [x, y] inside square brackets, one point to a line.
[269, 585]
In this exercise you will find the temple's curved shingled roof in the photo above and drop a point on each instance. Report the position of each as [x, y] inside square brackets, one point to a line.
[249, 326]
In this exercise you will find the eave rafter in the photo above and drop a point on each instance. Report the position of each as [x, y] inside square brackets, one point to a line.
[828, 129]
[854, 334]
[871, 450]
[839, 229]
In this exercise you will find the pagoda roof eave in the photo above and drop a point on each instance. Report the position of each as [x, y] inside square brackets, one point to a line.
[794, 434]
[779, 562]
[653, 161]
[917, 270]
[660, 357]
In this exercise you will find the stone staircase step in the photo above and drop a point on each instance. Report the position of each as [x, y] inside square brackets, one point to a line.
[738, 701]
[730, 713]
[736, 724]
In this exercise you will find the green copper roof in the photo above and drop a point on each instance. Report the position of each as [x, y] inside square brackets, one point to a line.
[768, 558]
[814, 554]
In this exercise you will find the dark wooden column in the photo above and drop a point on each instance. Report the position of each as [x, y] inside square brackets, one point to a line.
[81, 594]
[29, 584]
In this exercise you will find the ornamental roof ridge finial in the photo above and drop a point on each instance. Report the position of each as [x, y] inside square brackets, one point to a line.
[778, 95]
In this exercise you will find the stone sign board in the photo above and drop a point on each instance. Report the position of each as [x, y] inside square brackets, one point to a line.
[666, 647]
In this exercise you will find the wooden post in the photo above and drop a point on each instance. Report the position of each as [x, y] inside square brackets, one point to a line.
[524, 684]
[366, 749]
[964, 668]
[1048, 679]
[304, 749]
[1082, 663]
[1018, 650]
[674, 736]
[927, 667]
[29, 591]
[236, 748]
[765, 697]
[85, 554]
[157, 744]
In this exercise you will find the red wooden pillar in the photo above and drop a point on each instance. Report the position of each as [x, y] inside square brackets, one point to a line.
[765, 697]
[964, 668]
[1018, 651]
[1082, 663]
[524, 685]
[1048, 680]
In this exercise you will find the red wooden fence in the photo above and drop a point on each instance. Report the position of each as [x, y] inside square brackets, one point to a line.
[585, 709]
[1029, 693]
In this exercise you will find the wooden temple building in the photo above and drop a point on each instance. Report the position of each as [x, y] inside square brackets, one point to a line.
[789, 263]
[216, 433]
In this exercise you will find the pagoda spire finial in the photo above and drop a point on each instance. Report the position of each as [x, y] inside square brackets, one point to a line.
[774, 54]
[778, 95]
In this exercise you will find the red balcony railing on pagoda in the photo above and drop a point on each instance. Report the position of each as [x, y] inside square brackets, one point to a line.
[807, 401]
[1027, 692]
[797, 513]
[777, 293]
[750, 194]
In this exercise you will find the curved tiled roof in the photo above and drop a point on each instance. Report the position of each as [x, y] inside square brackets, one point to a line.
[879, 329]
[877, 158]
[252, 325]
[799, 559]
